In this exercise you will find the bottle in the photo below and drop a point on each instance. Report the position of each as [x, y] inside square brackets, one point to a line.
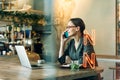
[4, 52]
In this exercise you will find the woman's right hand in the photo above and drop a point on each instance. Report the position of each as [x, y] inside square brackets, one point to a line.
[62, 44]
[63, 39]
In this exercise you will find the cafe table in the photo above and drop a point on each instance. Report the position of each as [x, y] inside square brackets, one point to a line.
[11, 69]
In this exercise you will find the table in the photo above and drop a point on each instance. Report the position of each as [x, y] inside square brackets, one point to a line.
[10, 69]
[114, 68]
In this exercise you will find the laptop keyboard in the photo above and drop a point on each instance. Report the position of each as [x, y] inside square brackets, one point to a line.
[35, 65]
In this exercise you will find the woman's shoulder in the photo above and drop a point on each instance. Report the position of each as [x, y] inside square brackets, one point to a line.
[70, 42]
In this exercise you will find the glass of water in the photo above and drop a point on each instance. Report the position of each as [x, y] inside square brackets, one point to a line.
[74, 65]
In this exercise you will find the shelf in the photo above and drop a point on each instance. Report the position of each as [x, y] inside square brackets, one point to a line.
[7, 4]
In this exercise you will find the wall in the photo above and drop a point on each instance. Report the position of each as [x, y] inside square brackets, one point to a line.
[21, 3]
[101, 17]
[38, 5]
[97, 14]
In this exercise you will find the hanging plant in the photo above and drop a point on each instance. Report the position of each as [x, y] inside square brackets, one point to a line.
[22, 17]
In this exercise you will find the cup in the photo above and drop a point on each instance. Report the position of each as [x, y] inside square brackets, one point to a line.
[41, 61]
[75, 65]
[4, 52]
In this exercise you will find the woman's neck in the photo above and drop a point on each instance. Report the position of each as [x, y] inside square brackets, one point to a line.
[77, 40]
[77, 37]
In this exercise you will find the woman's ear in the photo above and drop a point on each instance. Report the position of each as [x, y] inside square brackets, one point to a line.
[77, 28]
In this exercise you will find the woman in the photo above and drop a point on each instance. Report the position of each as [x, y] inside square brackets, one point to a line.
[77, 43]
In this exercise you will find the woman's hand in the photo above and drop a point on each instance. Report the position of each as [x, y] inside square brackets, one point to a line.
[62, 44]
[63, 38]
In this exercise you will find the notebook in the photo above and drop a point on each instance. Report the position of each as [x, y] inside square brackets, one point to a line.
[24, 60]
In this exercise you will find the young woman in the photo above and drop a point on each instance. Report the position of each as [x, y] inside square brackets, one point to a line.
[75, 43]
[73, 47]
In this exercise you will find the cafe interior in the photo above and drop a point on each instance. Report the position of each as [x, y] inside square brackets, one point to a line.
[37, 25]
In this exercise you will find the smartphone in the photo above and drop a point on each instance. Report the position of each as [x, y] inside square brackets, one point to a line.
[66, 34]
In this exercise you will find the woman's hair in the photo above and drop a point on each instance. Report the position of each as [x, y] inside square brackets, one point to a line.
[78, 22]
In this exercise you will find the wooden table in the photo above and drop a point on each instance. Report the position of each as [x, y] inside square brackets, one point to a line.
[115, 68]
[10, 69]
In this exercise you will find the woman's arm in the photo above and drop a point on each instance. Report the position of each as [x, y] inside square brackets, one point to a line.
[62, 44]
[62, 51]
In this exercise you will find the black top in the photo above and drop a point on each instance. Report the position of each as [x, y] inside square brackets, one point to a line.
[76, 54]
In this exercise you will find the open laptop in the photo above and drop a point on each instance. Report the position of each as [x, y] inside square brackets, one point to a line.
[24, 60]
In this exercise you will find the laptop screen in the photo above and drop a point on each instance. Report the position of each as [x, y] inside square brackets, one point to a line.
[22, 56]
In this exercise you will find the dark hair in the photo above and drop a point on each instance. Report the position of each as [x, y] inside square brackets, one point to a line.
[78, 22]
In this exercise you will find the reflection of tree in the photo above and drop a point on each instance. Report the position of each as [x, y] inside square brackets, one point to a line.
[63, 11]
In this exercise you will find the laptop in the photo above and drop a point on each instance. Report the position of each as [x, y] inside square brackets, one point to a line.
[24, 60]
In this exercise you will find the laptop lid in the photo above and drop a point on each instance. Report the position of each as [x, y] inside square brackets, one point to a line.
[24, 60]
[22, 56]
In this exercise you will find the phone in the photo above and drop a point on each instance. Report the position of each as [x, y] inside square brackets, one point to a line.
[66, 34]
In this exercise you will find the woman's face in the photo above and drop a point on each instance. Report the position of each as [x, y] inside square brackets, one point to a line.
[71, 28]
